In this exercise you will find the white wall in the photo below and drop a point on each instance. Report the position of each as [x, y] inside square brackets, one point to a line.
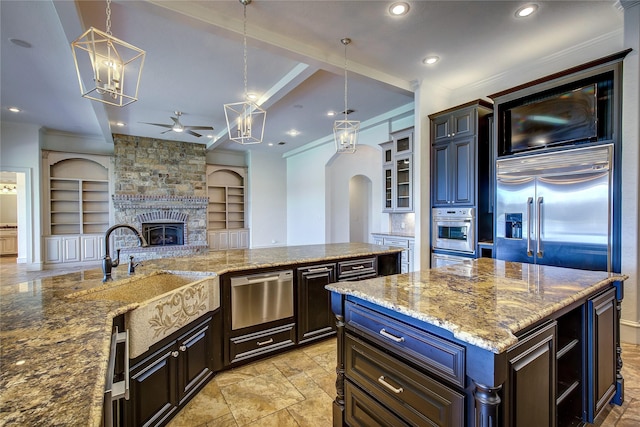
[630, 322]
[267, 199]
[62, 141]
[20, 152]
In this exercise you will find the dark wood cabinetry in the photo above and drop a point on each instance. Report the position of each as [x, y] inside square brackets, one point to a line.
[164, 379]
[315, 319]
[394, 369]
[530, 390]
[459, 141]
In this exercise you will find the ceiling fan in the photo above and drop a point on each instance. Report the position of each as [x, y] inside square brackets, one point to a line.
[179, 127]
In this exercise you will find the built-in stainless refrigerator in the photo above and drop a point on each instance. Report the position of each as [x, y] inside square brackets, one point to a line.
[555, 208]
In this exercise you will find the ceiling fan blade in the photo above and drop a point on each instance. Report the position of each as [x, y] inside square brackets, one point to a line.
[158, 124]
[168, 130]
[190, 132]
[199, 127]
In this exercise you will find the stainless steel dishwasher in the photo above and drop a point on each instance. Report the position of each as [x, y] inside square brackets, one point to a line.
[261, 298]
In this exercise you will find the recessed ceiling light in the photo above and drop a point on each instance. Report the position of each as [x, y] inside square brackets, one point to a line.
[120, 124]
[14, 109]
[526, 10]
[293, 132]
[252, 96]
[270, 144]
[210, 136]
[331, 113]
[399, 9]
[431, 60]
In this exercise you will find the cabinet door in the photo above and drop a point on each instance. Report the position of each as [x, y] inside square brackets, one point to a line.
[315, 318]
[602, 324]
[463, 122]
[530, 392]
[404, 187]
[195, 360]
[153, 388]
[388, 188]
[463, 172]
[441, 128]
[52, 250]
[71, 249]
[92, 247]
[440, 174]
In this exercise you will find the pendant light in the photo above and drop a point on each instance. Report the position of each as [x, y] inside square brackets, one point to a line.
[346, 131]
[114, 66]
[245, 119]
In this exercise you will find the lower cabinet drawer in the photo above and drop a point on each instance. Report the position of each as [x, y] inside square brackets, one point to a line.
[440, 357]
[363, 410]
[413, 396]
[251, 345]
[357, 267]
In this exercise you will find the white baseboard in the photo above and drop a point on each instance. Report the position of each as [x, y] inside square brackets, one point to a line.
[629, 331]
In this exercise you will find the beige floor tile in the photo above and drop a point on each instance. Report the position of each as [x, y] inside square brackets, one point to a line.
[257, 397]
[282, 418]
[207, 406]
[313, 412]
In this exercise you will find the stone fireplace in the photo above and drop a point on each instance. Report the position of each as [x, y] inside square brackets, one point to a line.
[161, 191]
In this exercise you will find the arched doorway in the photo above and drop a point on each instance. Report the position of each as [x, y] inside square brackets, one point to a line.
[360, 208]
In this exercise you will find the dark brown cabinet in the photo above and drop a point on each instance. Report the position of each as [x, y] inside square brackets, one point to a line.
[602, 327]
[315, 319]
[457, 135]
[530, 391]
[164, 380]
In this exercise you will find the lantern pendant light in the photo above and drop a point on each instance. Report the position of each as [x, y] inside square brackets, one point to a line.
[245, 119]
[113, 66]
[346, 131]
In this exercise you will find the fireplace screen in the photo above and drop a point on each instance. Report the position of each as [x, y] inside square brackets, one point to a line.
[163, 234]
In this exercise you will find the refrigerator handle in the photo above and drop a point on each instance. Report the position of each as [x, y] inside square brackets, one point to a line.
[529, 207]
[539, 225]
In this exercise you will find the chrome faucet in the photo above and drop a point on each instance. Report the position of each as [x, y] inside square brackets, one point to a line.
[107, 263]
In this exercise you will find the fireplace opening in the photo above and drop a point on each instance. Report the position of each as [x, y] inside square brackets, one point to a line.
[163, 234]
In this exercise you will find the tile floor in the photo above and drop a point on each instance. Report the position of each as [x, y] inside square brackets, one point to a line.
[297, 388]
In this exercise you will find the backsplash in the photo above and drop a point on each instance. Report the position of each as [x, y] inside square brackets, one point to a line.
[159, 181]
[403, 223]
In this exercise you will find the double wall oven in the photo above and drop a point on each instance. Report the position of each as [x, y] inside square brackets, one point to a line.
[453, 235]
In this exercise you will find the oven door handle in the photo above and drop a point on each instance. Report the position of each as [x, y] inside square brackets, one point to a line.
[437, 220]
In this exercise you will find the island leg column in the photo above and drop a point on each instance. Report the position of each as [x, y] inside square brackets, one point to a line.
[487, 405]
[337, 306]
[618, 398]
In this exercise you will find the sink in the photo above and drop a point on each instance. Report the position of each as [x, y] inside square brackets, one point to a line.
[167, 301]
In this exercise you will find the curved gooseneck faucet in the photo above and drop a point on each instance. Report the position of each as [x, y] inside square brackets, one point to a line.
[107, 263]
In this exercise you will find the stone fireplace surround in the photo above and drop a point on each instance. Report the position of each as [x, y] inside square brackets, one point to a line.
[159, 181]
[136, 210]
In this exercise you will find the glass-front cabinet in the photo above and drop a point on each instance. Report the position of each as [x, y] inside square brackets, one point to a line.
[397, 170]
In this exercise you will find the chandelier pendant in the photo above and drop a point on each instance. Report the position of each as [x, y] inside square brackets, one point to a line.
[108, 68]
[246, 119]
[345, 132]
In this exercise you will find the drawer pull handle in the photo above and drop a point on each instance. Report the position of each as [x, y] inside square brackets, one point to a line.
[269, 341]
[183, 348]
[382, 381]
[391, 336]
[357, 267]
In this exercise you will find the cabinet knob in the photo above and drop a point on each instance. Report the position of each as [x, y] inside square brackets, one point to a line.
[175, 353]
[453, 134]
[183, 348]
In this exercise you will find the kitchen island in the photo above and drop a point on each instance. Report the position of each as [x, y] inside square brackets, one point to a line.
[55, 346]
[493, 343]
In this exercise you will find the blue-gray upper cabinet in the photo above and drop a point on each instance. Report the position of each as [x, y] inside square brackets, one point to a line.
[454, 153]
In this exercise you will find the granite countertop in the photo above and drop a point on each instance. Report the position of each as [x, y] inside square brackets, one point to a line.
[54, 349]
[484, 304]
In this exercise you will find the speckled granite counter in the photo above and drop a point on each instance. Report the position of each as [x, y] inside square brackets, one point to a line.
[54, 349]
[484, 304]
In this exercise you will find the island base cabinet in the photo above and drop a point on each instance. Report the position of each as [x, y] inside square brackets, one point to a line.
[530, 394]
[165, 380]
[414, 397]
[315, 318]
